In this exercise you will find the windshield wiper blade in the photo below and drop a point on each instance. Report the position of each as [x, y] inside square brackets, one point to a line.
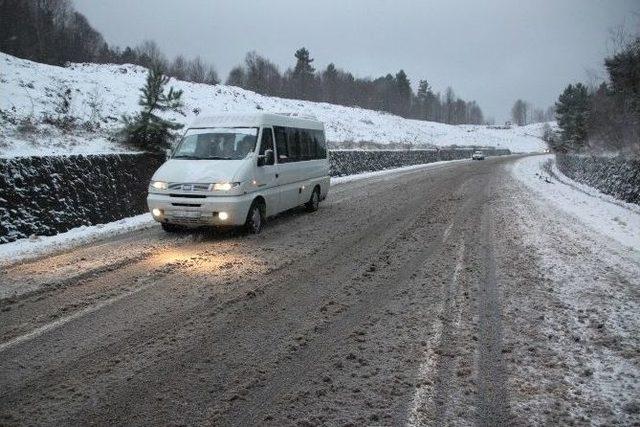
[184, 156]
[217, 158]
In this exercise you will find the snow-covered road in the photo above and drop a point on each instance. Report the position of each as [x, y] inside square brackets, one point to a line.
[459, 293]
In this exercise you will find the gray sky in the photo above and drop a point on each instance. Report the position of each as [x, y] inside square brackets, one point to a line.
[490, 51]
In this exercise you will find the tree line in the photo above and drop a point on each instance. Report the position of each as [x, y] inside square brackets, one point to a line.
[52, 32]
[390, 93]
[604, 118]
[523, 113]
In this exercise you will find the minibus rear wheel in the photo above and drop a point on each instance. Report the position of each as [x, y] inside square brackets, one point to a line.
[314, 202]
[255, 218]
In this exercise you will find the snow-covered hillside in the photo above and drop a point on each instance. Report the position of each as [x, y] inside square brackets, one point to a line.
[102, 93]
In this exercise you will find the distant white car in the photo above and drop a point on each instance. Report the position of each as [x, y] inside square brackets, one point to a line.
[477, 155]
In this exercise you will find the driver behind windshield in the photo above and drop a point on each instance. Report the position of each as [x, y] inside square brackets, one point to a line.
[245, 146]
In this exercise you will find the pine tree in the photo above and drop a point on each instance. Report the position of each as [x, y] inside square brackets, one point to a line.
[403, 94]
[330, 83]
[303, 74]
[422, 100]
[147, 130]
[572, 111]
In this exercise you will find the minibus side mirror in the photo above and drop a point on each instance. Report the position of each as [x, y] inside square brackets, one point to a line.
[266, 158]
[167, 153]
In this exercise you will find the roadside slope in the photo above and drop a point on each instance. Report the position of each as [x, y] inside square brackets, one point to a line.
[102, 93]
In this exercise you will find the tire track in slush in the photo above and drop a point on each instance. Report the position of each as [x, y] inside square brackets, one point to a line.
[48, 327]
[432, 399]
[493, 406]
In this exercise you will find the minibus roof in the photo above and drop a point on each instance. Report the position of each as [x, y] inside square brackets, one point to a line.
[255, 120]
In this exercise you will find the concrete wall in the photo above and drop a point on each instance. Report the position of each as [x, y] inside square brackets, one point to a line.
[349, 162]
[49, 195]
[616, 176]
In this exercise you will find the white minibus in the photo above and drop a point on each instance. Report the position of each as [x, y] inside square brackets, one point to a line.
[239, 169]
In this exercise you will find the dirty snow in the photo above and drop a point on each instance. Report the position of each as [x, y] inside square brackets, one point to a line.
[40, 245]
[571, 298]
[29, 89]
[602, 213]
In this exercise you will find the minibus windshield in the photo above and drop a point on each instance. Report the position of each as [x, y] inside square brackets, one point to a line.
[217, 144]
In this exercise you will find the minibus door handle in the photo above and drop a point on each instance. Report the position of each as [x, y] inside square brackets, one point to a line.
[277, 175]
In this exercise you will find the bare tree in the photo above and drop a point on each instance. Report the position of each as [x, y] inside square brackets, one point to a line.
[196, 70]
[262, 75]
[178, 68]
[150, 55]
[237, 76]
[212, 76]
[519, 112]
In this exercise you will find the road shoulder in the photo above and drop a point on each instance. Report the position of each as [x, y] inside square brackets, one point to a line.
[571, 304]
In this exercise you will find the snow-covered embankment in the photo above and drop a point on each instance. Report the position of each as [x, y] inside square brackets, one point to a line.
[101, 94]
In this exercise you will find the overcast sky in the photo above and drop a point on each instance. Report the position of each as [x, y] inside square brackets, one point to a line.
[490, 51]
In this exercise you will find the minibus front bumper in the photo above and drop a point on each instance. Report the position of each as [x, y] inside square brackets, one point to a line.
[211, 210]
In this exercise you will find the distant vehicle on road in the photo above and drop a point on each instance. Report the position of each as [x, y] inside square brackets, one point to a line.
[238, 169]
[477, 155]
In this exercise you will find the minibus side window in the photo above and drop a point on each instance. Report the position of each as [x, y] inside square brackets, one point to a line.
[267, 144]
[307, 148]
[281, 144]
[321, 147]
[293, 143]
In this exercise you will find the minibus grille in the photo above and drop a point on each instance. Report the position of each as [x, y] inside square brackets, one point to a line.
[186, 220]
[188, 196]
[191, 205]
[187, 186]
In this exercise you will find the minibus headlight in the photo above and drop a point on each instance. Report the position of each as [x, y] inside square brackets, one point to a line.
[159, 185]
[223, 186]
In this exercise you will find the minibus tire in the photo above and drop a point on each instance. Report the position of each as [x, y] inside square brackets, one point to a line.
[314, 202]
[170, 228]
[250, 225]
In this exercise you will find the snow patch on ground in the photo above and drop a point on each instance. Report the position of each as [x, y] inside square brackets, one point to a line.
[39, 245]
[30, 89]
[603, 213]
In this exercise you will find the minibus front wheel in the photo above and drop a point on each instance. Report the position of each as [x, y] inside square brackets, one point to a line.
[314, 202]
[255, 217]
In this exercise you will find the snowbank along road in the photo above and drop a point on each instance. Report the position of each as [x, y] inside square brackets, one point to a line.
[449, 295]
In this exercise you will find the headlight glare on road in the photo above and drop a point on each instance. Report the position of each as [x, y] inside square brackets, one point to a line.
[159, 185]
[223, 186]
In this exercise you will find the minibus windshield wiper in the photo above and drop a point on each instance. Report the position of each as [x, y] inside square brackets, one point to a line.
[186, 156]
